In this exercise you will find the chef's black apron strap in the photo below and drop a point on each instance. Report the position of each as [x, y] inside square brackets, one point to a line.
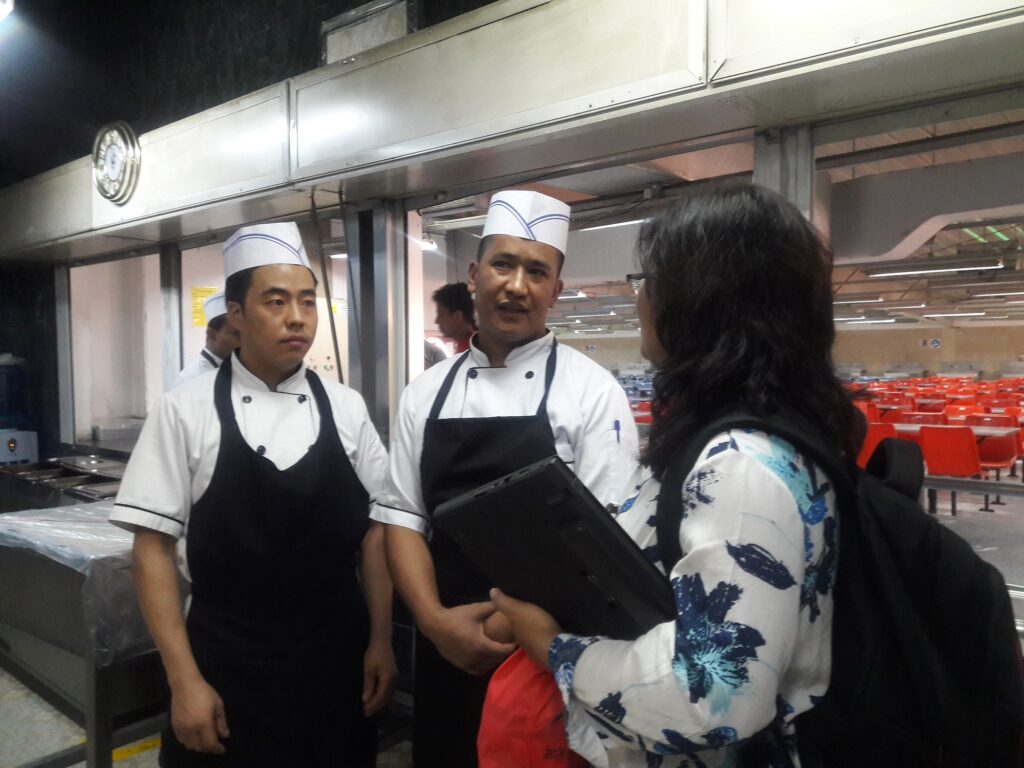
[446, 386]
[549, 376]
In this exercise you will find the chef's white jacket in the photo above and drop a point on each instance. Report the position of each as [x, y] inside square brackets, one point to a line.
[200, 365]
[590, 417]
[173, 461]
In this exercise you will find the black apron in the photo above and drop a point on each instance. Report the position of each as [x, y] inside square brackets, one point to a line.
[277, 624]
[459, 455]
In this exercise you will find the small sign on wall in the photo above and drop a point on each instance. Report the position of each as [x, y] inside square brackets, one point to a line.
[931, 343]
[200, 293]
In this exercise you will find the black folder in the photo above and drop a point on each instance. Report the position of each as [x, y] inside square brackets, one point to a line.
[541, 536]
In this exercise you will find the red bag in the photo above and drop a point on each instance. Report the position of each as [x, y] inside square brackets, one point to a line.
[523, 722]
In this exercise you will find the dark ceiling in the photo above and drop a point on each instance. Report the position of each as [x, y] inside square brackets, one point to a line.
[68, 67]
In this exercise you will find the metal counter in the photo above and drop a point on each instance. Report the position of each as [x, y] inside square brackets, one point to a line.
[71, 629]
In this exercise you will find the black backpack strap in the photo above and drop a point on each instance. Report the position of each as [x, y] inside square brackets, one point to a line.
[787, 426]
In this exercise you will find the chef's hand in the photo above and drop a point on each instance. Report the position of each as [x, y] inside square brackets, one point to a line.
[379, 673]
[197, 717]
[532, 626]
[458, 634]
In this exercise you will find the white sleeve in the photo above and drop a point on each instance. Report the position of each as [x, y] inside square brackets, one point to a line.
[400, 501]
[713, 676]
[609, 449]
[371, 459]
[156, 490]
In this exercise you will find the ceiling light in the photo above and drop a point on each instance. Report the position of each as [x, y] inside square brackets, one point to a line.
[956, 314]
[847, 319]
[611, 226]
[572, 297]
[997, 317]
[975, 235]
[910, 306]
[997, 295]
[592, 314]
[870, 322]
[339, 255]
[859, 301]
[901, 272]
[998, 234]
[588, 330]
[428, 245]
[574, 322]
[6, 6]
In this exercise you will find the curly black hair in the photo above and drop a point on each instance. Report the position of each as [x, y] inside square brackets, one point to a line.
[741, 296]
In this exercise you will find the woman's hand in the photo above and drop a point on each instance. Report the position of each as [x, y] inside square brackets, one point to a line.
[532, 626]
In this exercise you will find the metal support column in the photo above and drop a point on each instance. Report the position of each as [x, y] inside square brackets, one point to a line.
[65, 369]
[375, 239]
[170, 292]
[784, 162]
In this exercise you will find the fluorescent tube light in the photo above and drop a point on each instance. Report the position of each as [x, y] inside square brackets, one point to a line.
[996, 295]
[428, 245]
[870, 322]
[588, 330]
[937, 270]
[847, 319]
[998, 234]
[858, 301]
[956, 314]
[910, 306]
[574, 297]
[574, 322]
[975, 235]
[592, 314]
[339, 255]
[997, 317]
[611, 226]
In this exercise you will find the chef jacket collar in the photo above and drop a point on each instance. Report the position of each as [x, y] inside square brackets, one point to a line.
[248, 379]
[536, 348]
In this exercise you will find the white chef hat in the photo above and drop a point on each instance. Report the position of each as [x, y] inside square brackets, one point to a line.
[529, 215]
[264, 244]
[214, 306]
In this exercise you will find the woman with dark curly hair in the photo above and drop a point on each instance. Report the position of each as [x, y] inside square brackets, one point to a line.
[735, 307]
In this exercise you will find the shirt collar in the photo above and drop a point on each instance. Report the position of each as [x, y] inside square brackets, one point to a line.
[526, 354]
[211, 354]
[247, 378]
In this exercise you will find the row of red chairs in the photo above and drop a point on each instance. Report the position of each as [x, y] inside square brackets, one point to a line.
[873, 412]
[953, 451]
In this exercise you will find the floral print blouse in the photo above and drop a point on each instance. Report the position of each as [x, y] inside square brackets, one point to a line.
[751, 645]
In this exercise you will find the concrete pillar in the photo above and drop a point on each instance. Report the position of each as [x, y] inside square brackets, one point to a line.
[784, 162]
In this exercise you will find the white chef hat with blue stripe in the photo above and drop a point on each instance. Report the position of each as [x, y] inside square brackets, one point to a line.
[214, 306]
[264, 244]
[529, 215]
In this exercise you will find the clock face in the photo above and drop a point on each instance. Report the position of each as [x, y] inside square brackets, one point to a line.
[115, 162]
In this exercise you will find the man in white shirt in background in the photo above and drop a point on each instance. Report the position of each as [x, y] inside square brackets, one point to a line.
[514, 397]
[266, 472]
[221, 340]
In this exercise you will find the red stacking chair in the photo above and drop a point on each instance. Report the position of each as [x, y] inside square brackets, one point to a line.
[997, 453]
[997, 404]
[869, 409]
[963, 410]
[952, 452]
[643, 418]
[876, 434]
[643, 406]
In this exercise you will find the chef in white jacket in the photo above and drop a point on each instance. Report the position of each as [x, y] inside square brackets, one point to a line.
[221, 340]
[266, 472]
[514, 397]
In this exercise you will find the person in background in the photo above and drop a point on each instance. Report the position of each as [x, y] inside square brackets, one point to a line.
[266, 472]
[432, 354]
[455, 318]
[735, 308]
[515, 396]
[221, 340]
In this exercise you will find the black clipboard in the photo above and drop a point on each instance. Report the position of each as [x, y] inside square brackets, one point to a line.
[541, 536]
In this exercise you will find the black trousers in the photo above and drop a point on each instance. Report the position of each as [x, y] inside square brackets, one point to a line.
[447, 711]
